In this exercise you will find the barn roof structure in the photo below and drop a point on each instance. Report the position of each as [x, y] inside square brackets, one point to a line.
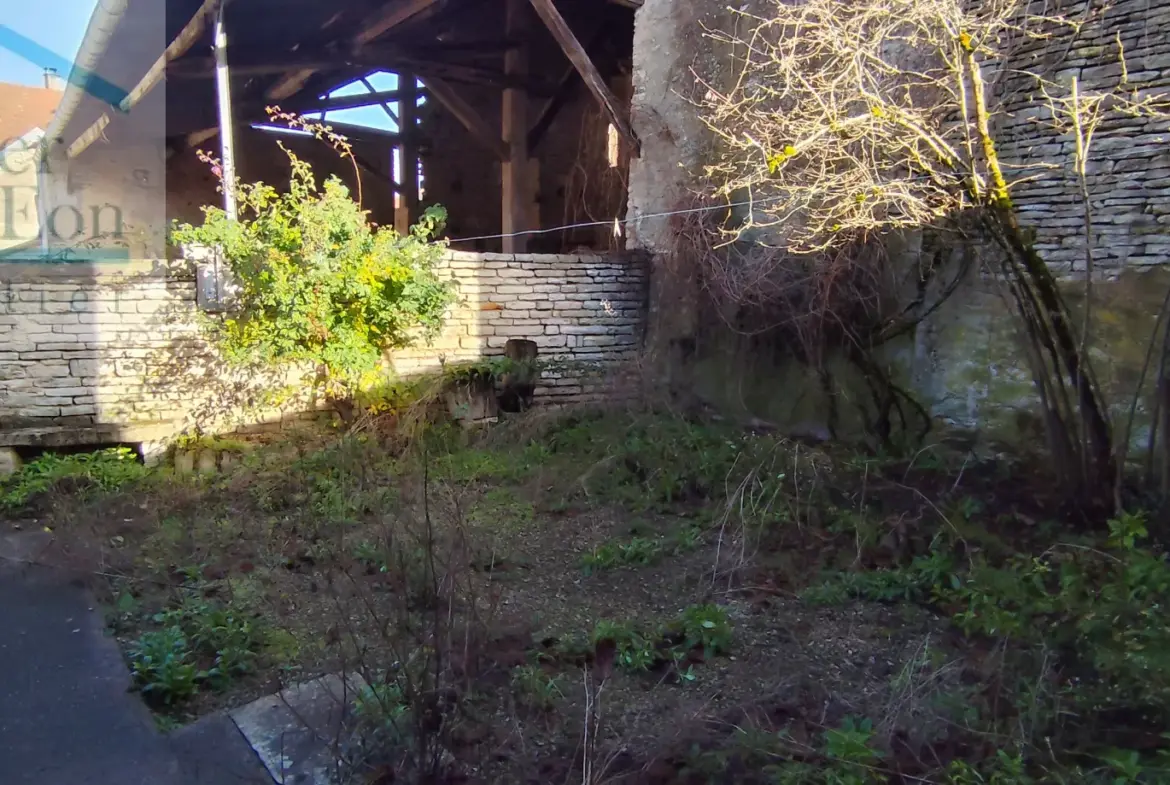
[502, 69]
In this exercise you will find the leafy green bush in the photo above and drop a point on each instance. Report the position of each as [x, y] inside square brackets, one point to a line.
[161, 661]
[166, 662]
[106, 470]
[636, 651]
[706, 627]
[318, 284]
[1107, 609]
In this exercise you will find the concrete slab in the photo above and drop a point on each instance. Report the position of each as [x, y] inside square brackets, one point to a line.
[296, 731]
[212, 751]
[66, 711]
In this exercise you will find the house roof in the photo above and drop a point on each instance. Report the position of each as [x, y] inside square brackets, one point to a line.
[23, 109]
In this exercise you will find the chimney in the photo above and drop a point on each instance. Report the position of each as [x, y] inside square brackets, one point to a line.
[53, 80]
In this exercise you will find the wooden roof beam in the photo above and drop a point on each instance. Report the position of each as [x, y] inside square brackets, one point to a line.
[566, 90]
[351, 101]
[577, 55]
[467, 116]
[373, 26]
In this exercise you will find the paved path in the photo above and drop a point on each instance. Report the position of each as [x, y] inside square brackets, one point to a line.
[67, 715]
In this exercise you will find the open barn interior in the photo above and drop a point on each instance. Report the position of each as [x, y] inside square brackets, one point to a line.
[511, 114]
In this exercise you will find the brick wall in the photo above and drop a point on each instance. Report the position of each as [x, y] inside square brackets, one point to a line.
[114, 353]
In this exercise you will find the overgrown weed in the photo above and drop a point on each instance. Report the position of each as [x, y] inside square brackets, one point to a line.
[103, 471]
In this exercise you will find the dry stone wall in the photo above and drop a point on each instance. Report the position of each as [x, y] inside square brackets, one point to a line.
[1128, 173]
[966, 364]
[588, 311]
[114, 354]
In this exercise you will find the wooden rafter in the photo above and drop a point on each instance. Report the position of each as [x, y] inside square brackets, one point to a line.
[566, 89]
[257, 64]
[373, 26]
[577, 55]
[384, 104]
[359, 99]
[466, 114]
[182, 42]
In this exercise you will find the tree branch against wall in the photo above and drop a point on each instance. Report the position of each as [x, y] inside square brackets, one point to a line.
[850, 122]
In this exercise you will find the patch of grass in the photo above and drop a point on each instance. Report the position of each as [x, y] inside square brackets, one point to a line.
[654, 461]
[381, 705]
[502, 509]
[698, 627]
[217, 443]
[845, 755]
[341, 485]
[104, 470]
[535, 687]
[373, 557]
[637, 551]
[463, 463]
[1082, 632]
[919, 581]
[686, 539]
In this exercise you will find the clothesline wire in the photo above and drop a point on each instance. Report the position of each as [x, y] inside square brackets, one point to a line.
[616, 221]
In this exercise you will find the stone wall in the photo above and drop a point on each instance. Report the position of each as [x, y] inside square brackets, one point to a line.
[966, 365]
[587, 310]
[98, 354]
[1129, 169]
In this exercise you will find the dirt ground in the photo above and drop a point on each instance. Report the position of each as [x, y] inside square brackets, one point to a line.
[502, 557]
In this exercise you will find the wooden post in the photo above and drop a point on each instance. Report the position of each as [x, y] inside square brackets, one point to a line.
[517, 188]
[407, 212]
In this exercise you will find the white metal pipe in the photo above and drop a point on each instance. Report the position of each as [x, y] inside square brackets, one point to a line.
[223, 92]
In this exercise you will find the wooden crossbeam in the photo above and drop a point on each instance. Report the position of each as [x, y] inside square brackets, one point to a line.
[467, 116]
[384, 104]
[257, 64]
[373, 26]
[577, 55]
[351, 101]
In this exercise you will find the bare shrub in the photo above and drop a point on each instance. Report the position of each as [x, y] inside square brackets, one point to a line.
[850, 124]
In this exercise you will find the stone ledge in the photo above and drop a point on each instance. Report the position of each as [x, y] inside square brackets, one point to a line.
[78, 435]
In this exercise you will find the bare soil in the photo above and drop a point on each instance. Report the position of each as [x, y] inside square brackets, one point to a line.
[291, 540]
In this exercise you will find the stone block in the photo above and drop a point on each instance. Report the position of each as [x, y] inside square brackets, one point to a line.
[9, 462]
[76, 410]
[46, 369]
